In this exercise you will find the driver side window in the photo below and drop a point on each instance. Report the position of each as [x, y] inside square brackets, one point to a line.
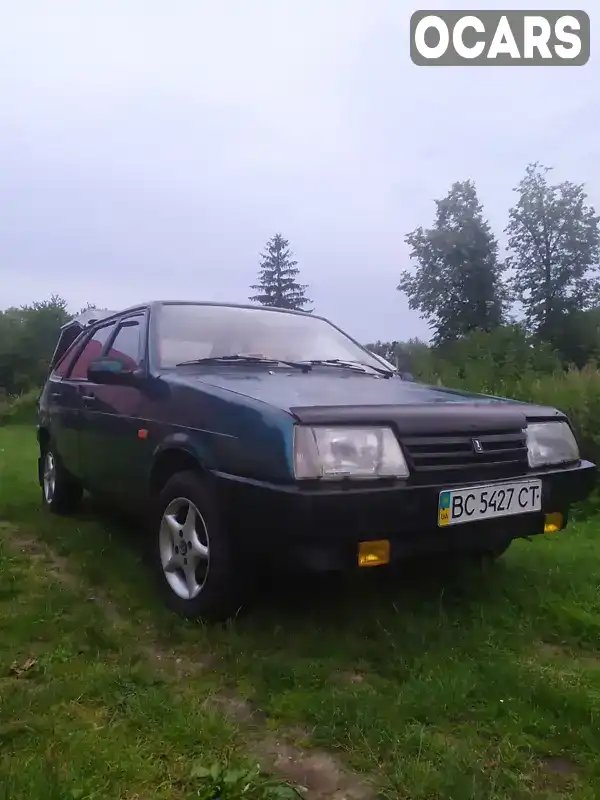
[127, 344]
[91, 351]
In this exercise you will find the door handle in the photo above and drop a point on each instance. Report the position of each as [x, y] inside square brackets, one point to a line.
[88, 397]
[54, 395]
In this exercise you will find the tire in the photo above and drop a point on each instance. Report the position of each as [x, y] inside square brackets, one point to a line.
[61, 492]
[191, 551]
[499, 550]
[484, 558]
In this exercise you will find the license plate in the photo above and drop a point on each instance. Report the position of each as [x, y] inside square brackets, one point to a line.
[456, 506]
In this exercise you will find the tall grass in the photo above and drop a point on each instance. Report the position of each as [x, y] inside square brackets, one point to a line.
[574, 392]
[18, 408]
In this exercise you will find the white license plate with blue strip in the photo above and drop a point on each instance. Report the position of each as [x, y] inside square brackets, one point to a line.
[489, 501]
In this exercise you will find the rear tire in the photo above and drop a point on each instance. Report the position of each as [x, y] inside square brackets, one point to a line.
[191, 551]
[61, 492]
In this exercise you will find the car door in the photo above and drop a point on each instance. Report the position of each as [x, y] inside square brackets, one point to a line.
[115, 443]
[77, 390]
[63, 406]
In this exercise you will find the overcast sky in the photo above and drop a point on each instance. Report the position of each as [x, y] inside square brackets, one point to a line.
[149, 148]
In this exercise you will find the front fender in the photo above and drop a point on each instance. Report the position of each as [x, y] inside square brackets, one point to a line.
[231, 433]
[186, 442]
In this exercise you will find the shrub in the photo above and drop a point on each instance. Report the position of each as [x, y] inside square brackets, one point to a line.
[510, 363]
[577, 394]
[574, 392]
[19, 408]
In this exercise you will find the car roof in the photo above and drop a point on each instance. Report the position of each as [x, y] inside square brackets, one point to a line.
[251, 306]
[88, 317]
[92, 316]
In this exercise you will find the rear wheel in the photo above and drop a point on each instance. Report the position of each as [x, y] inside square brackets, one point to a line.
[191, 551]
[61, 492]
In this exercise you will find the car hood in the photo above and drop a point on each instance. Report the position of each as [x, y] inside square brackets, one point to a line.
[336, 396]
[333, 388]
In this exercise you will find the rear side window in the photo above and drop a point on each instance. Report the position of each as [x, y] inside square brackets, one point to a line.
[63, 365]
[127, 344]
[91, 351]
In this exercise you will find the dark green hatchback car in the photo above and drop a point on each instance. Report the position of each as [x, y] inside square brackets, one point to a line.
[244, 435]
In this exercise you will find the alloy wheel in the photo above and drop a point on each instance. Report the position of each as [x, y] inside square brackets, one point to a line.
[184, 548]
[49, 477]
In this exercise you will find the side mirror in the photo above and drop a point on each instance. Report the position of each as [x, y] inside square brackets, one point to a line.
[111, 371]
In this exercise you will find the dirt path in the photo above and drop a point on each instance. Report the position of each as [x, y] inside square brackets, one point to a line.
[322, 775]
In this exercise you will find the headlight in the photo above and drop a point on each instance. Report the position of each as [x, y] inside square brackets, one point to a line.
[347, 453]
[550, 443]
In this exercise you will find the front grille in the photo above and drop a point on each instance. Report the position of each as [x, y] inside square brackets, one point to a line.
[458, 458]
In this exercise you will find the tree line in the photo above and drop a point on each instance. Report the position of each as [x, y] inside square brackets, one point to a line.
[545, 291]
[28, 334]
[462, 285]
[538, 305]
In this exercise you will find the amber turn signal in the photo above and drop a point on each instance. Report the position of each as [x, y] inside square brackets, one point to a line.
[553, 522]
[373, 554]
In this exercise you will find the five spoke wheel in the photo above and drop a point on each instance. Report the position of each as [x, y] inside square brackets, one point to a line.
[61, 492]
[184, 548]
[49, 477]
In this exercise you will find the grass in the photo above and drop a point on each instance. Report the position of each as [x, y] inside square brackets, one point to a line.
[461, 685]
[82, 713]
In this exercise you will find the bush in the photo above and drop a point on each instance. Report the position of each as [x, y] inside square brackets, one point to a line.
[493, 362]
[574, 392]
[28, 336]
[509, 363]
[19, 408]
[577, 394]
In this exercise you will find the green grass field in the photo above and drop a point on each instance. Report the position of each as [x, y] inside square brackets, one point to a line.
[433, 685]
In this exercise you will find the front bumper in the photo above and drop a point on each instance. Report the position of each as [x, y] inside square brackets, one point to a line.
[321, 526]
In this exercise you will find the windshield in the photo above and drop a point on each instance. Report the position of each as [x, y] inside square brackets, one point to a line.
[188, 332]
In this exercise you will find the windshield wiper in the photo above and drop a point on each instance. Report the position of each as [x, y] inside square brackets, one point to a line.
[357, 366]
[239, 358]
[305, 366]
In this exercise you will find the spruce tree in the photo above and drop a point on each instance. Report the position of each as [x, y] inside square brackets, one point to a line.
[277, 281]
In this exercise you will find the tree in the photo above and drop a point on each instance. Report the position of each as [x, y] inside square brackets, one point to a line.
[386, 350]
[28, 336]
[554, 241]
[403, 355]
[458, 282]
[277, 283]
[577, 338]
[499, 363]
[509, 351]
